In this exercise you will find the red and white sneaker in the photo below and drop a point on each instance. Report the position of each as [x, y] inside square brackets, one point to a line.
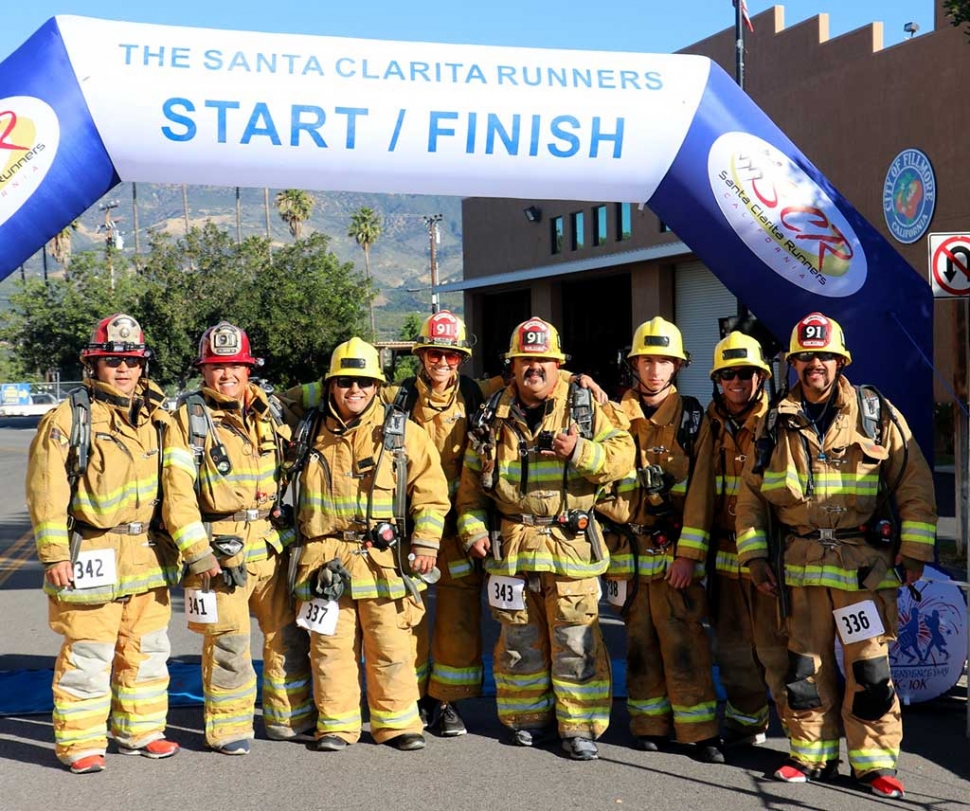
[156, 750]
[88, 765]
[792, 772]
[887, 786]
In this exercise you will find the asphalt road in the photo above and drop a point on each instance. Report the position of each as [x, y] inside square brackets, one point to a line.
[477, 771]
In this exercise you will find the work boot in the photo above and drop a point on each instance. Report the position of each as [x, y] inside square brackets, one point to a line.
[88, 765]
[739, 738]
[580, 748]
[427, 707]
[449, 723]
[886, 786]
[652, 743]
[827, 771]
[709, 751]
[331, 743]
[408, 742]
[156, 750]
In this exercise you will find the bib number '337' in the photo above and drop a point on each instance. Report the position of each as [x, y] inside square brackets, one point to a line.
[319, 616]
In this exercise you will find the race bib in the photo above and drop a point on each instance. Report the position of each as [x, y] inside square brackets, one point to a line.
[201, 607]
[616, 592]
[319, 616]
[95, 568]
[858, 622]
[506, 592]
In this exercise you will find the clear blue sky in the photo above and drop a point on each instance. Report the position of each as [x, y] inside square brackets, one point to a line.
[652, 26]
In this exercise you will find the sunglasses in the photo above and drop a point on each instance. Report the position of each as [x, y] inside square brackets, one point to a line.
[745, 374]
[346, 381]
[451, 358]
[808, 357]
[115, 362]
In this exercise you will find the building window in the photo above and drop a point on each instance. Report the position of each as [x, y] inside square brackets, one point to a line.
[599, 225]
[555, 225]
[578, 222]
[624, 224]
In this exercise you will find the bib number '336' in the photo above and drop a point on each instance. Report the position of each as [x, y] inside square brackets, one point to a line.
[856, 623]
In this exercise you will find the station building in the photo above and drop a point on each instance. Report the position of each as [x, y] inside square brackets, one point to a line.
[598, 269]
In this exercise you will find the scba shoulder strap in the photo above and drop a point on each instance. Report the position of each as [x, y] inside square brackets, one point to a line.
[407, 395]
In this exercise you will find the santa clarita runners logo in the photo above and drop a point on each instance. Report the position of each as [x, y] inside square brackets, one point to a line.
[784, 216]
[29, 137]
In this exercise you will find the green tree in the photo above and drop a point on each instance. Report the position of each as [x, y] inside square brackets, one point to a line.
[296, 310]
[295, 207]
[959, 11]
[191, 283]
[365, 229]
[408, 365]
[48, 323]
[308, 302]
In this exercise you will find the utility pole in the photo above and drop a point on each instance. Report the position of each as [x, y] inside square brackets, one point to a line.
[238, 218]
[134, 205]
[433, 237]
[111, 237]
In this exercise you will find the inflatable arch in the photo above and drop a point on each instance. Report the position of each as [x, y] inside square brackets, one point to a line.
[87, 103]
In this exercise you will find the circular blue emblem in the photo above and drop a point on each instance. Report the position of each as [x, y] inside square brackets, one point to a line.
[909, 196]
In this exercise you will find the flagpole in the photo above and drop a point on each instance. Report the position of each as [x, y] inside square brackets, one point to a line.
[742, 308]
[739, 43]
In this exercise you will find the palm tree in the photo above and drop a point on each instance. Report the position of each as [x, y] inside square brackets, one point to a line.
[60, 244]
[295, 207]
[365, 229]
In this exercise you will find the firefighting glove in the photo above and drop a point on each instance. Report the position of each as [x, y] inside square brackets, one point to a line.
[234, 576]
[331, 580]
[760, 572]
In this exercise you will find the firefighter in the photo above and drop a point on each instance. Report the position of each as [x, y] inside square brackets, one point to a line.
[92, 492]
[365, 478]
[662, 510]
[223, 506]
[840, 489]
[441, 400]
[538, 457]
[750, 641]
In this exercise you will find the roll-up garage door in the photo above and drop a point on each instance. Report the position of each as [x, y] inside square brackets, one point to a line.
[699, 301]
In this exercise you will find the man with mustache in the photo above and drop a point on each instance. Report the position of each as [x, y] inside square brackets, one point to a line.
[663, 507]
[837, 472]
[223, 507]
[750, 644]
[533, 465]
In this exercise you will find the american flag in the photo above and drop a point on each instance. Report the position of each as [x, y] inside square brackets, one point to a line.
[744, 14]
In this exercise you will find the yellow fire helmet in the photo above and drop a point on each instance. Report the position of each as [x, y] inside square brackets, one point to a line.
[535, 338]
[817, 333]
[446, 330]
[355, 358]
[658, 337]
[738, 349]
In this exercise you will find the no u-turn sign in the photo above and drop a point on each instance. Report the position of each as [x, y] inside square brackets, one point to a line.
[950, 265]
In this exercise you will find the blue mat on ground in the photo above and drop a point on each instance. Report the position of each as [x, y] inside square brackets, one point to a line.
[28, 692]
